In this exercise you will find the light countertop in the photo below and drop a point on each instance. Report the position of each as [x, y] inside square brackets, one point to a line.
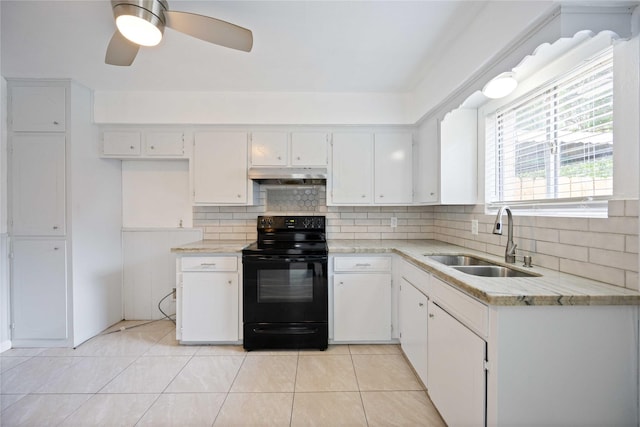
[551, 288]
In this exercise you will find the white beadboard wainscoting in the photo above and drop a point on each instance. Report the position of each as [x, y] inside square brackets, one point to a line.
[149, 271]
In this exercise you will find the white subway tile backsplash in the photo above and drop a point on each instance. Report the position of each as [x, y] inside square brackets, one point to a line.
[621, 260]
[611, 275]
[603, 249]
[614, 242]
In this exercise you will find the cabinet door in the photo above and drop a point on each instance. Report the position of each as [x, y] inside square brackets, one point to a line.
[362, 307]
[121, 144]
[427, 163]
[38, 108]
[456, 375]
[38, 185]
[39, 289]
[393, 168]
[308, 149]
[269, 148]
[458, 157]
[164, 144]
[351, 168]
[209, 307]
[413, 327]
[220, 168]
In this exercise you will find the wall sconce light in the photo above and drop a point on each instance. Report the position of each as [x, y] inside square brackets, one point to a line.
[500, 86]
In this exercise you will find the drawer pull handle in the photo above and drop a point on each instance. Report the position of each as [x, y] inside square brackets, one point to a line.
[208, 264]
[363, 265]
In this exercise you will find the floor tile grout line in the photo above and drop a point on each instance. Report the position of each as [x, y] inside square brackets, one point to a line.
[226, 396]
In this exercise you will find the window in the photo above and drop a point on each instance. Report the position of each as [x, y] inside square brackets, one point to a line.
[554, 146]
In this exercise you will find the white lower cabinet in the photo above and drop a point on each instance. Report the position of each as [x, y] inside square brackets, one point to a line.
[456, 374]
[362, 299]
[208, 300]
[413, 327]
[39, 270]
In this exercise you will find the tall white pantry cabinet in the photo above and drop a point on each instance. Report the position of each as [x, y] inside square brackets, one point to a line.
[64, 217]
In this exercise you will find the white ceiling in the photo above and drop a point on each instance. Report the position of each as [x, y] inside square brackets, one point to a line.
[299, 46]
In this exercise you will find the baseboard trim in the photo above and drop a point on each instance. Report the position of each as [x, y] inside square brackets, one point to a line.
[5, 345]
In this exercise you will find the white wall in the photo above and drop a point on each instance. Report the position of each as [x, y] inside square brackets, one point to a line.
[249, 108]
[96, 221]
[5, 312]
[155, 194]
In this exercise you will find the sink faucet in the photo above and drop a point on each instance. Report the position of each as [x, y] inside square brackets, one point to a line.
[510, 251]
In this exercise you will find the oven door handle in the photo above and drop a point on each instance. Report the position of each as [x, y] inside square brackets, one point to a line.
[298, 259]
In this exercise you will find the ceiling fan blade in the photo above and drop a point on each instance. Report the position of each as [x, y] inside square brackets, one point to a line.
[120, 51]
[210, 29]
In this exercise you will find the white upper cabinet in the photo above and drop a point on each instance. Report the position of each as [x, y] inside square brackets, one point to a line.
[371, 168]
[164, 144]
[37, 108]
[123, 144]
[295, 149]
[38, 184]
[309, 149]
[351, 168]
[459, 157]
[269, 148]
[393, 168]
[427, 164]
[220, 168]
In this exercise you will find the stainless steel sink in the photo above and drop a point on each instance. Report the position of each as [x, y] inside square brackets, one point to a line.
[479, 267]
[493, 271]
[458, 260]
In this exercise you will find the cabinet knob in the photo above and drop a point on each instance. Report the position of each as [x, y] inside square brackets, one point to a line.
[364, 195]
[152, 147]
[298, 158]
[230, 282]
[432, 194]
[421, 304]
[132, 147]
[239, 196]
[56, 122]
[381, 196]
[55, 227]
[431, 315]
[279, 158]
[342, 283]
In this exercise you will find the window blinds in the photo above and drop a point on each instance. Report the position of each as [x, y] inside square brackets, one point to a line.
[556, 143]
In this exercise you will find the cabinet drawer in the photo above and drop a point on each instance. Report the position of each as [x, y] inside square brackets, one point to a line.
[381, 263]
[209, 263]
[417, 277]
[470, 312]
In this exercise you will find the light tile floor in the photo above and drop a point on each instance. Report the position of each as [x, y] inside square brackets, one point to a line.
[143, 377]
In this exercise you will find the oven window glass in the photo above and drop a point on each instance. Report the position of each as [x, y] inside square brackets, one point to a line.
[293, 284]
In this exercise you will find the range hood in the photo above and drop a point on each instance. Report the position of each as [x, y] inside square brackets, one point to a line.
[289, 176]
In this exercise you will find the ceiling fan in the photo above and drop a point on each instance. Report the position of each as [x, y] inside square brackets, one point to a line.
[142, 23]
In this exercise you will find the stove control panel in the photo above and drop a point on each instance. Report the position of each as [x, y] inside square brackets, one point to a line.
[291, 222]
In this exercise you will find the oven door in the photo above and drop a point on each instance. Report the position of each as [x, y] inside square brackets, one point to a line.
[285, 289]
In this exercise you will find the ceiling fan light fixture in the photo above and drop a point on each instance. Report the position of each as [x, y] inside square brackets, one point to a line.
[500, 86]
[138, 24]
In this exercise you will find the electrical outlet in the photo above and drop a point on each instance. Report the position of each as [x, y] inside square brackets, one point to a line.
[474, 227]
[394, 222]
